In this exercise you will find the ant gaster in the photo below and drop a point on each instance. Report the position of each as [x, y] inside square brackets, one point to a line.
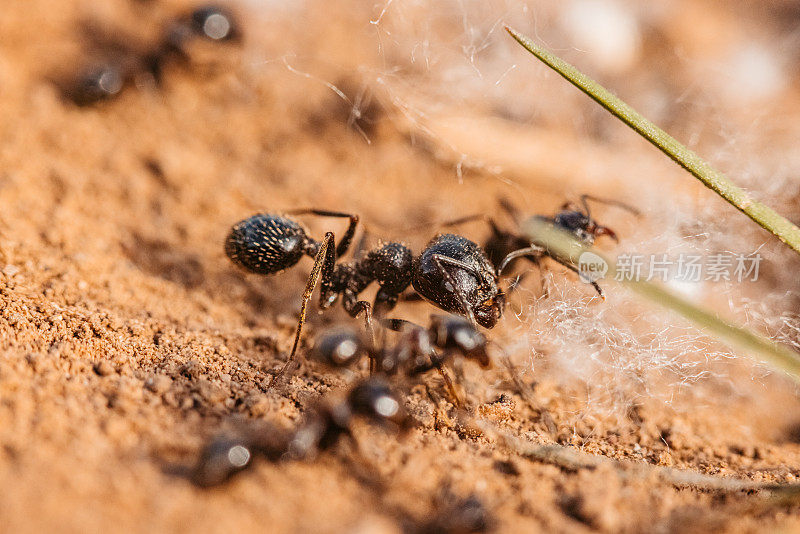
[452, 272]
[326, 424]
[504, 247]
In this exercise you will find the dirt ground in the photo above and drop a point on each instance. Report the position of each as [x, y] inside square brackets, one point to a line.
[127, 338]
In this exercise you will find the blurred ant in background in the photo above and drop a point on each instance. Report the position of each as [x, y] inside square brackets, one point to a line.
[125, 65]
[452, 272]
[504, 247]
[416, 351]
[326, 425]
[323, 428]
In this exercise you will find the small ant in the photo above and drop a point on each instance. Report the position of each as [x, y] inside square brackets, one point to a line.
[107, 79]
[452, 272]
[504, 247]
[417, 351]
[371, 399]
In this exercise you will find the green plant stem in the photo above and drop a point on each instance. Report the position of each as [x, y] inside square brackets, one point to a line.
[563, 245]
[762, 214]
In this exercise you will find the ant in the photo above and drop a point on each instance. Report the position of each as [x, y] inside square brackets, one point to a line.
[107, 79]
[452, 272]
[503, 247]
[414, 353]
[371, 399]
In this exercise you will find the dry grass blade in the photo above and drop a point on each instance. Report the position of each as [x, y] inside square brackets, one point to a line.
[762, 214]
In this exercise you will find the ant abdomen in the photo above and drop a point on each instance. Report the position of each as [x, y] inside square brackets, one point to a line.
[266, 244]
[376, 400]
[98, 83]
[214, 23]
[338, 348]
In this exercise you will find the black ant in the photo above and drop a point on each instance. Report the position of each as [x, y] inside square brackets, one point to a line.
[452, 272]
[504, 247]
[108, 78]
[417, 351]
[371, 399]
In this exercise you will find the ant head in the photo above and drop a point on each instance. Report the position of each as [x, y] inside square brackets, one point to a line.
[457, 276]
[374, 399]
[338, 348]
[453, 332]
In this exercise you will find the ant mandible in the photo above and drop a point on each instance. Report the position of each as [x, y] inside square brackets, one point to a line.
[503, 247]
[452, 272]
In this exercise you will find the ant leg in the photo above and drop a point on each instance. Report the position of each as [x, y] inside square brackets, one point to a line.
[347, 238]
[437, 361]
[511, 210]
[609, 202]
[440, 261]
[323, 265]
[580, 275]
[363, 306]
[467, 218]
[461, 220]
[451, 388]
[398, 325]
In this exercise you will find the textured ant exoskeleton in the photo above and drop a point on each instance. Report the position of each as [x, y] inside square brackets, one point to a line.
[124, 65]
[504, 247]
[371, 399]
[452, 272]
[417, 350]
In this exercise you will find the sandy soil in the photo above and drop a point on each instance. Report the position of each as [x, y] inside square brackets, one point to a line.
[127, 338]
